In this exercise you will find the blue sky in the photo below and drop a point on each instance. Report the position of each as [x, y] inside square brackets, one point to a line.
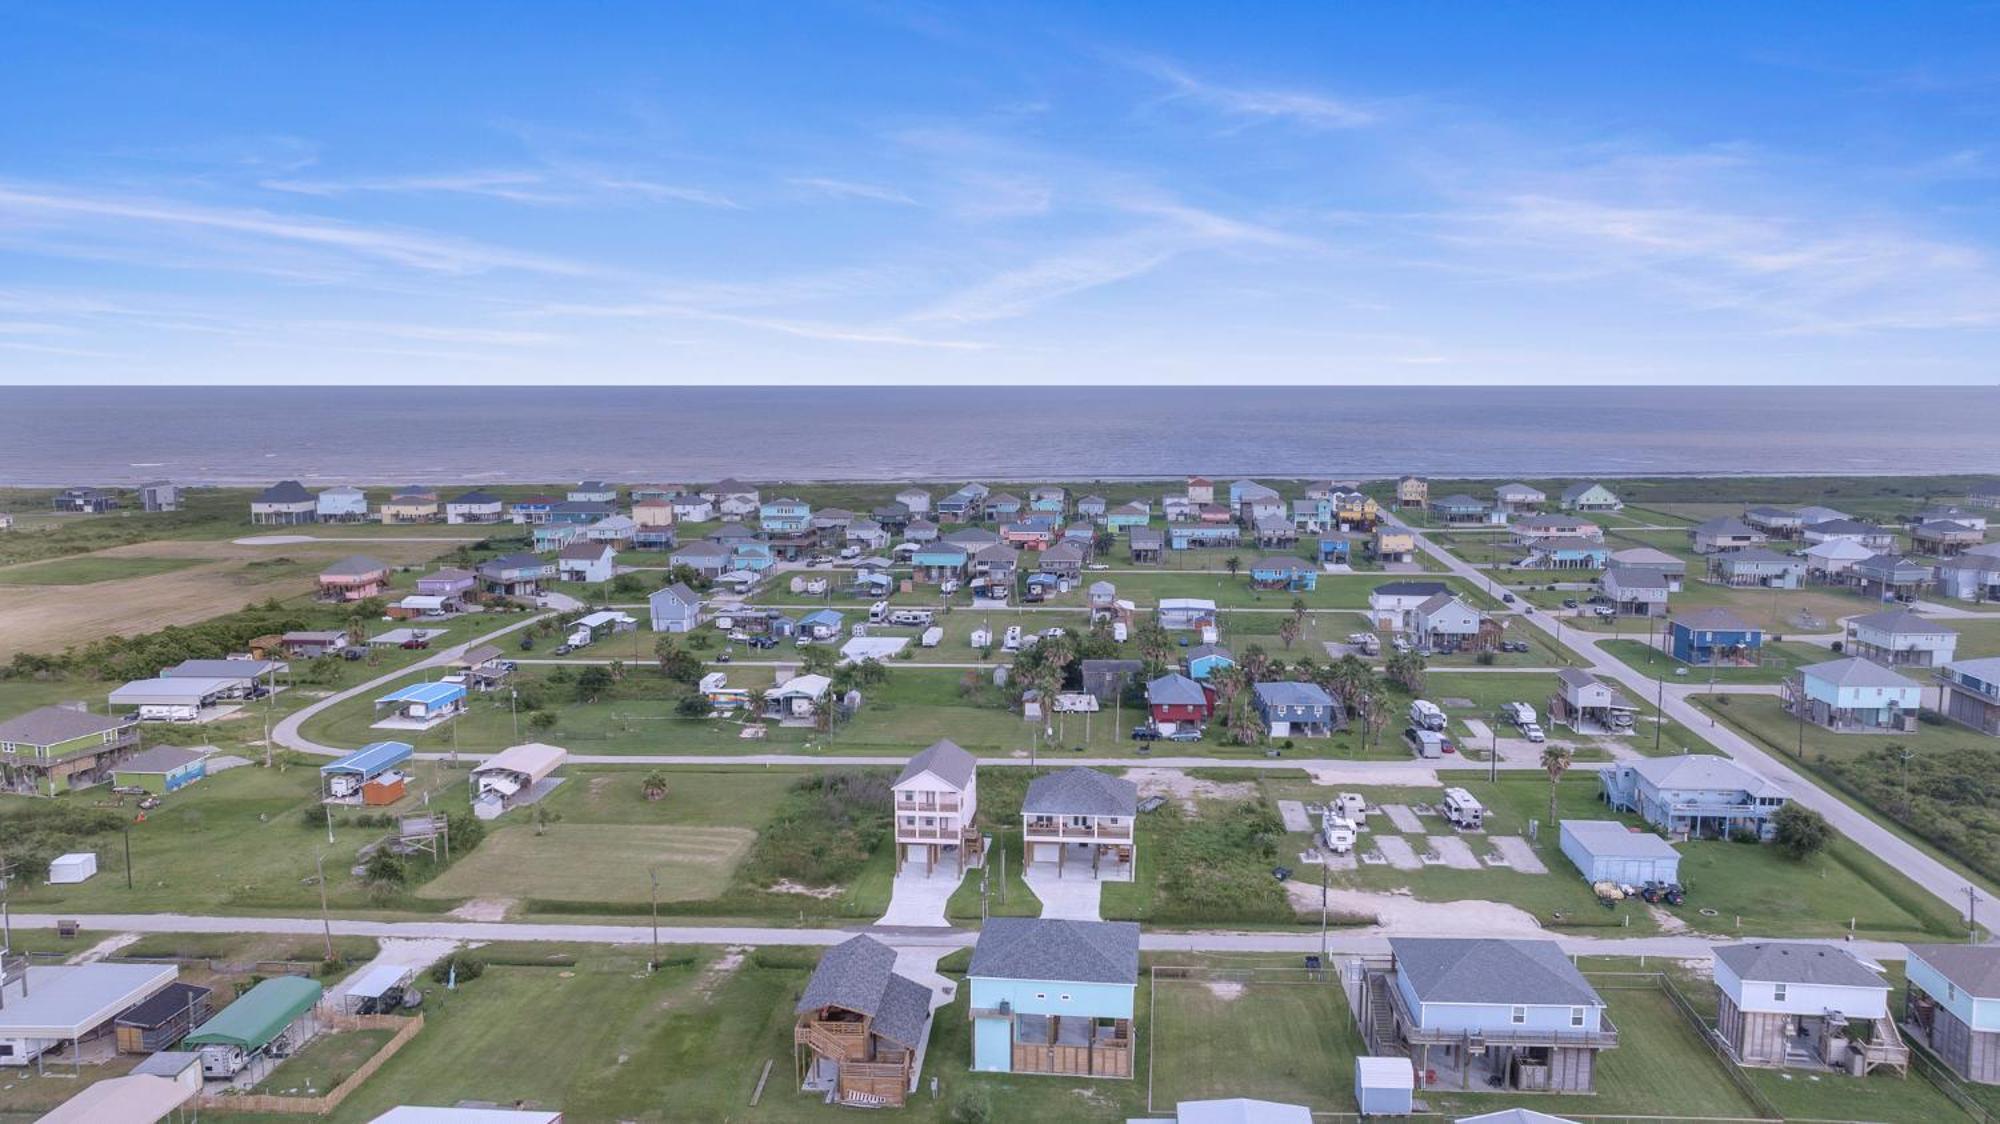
[1068, 193]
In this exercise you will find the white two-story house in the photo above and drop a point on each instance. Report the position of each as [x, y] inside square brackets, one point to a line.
[937, 802]
[1077, 815]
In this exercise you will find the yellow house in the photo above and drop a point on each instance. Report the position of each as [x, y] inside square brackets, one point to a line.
[652, 513]
[1393, 544]
[411, 507]
[1412, 491]
[1355, 509]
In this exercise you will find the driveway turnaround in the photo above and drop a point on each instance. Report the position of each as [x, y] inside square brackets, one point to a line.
[917, 899]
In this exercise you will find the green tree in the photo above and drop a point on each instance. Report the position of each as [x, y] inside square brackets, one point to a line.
[1406, 669]
[654, 784]
[676, 662]
[1801, 831]
[1233, 564]
[1556, 761]
[542, 721]
[592, 682]
[1288, 632]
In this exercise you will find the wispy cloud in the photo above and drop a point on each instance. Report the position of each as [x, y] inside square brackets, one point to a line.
[93, 219]
[850, 189]
[1254, 102]
[529, 186]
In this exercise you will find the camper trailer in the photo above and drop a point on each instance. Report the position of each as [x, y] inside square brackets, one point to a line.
[1011, 642]
[1463, 810]
[982, 638]
[1351, 806]
[911, 618]
[1337, 832]
[878, 612]
[1519, 713]
[932, 637]
[1425, 715]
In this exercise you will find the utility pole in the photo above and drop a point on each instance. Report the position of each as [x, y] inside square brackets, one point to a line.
[653, 965]
[128, 856]
[326, 922]
[1326, 860]
[1659, 712]
[329, 823]
[1971, 915]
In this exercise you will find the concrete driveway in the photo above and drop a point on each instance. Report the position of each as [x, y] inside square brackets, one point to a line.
[1074, 896]
[919, 899]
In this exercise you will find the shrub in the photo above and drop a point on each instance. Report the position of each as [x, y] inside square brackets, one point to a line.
[823, 831]
[693, 706]
[1802, 831]
[469, 967]
[1484, 659]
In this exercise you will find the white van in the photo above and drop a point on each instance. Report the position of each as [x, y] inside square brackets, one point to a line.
[1463, 810]
[1425, 715]
[1119, 632]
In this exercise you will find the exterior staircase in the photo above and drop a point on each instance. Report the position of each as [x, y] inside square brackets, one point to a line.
[1380, 1022]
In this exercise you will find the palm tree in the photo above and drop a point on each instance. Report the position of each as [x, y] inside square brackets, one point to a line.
[1232, 564]
[1372, 703]
[1407, 670]
[1256, 663]
[1556, 761]
[1299, 609]
[1288, 632]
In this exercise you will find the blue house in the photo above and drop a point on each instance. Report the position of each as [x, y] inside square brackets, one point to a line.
[821, 624]
[555, 536]
[938, 561]
[1335, 548]
[1298, 710]
[1714, 637]
[1487, 1014]
[1048, 500]
[580, 512]
[1294, 575]
[755, 557]
[964, 505]
[1566, 552]
[1003, 506]
[1134, 514]
[1696, 794]
[675, 608]
[1204, 660]
[1052, 996]
[785, 516]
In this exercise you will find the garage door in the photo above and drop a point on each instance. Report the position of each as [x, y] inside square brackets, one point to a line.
[1047, 852]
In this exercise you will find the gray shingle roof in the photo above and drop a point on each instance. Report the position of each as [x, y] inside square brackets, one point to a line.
[1974, 968]
[1796, 962]
[944, 757]
[52, 724]
[160, 759]
[1760, 555]
[285, 491]
[1712, 619]
[1033, 948]
[860, 976]
[1899, 621]
[1411, 589]
[1175, 689]
[354, 565]
[1081, 792]
[1487, 970]
[1292, 693]
[1856, 672]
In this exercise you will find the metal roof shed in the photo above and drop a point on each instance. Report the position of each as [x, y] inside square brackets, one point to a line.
[374, 982]
[62, 1003]
[136, 1098]
[170, 692]
[370, 760]
[1608, 851]
[1385, 1086]
[260, 1014]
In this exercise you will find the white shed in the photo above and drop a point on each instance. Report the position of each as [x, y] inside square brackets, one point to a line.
[1385, 1086]
[77, 866]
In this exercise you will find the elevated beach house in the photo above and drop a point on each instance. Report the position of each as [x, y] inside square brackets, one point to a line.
[59, 748]
[1901, 638]
[1853, 695]
[1756, 567]
[284, 504]
[1482, 1013]
[342, 505]
[1290, 709]
[356, 577]
[1972, 693]
[1518, 498]
[937, 802]
[1696, 795]
[84, 501]
[1712, 636]
[414, 504]
[1635, 591]
[1590, 497]
[1392, 606]
[1077, 815]
[586, 562]
[1952, 1005]
[1782, 1003]
[1724, 533]
[515, 575]
[474, 507]
[1054, 996]
[861, 1027]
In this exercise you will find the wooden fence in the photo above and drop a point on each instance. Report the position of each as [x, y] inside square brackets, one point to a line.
[325, 1103]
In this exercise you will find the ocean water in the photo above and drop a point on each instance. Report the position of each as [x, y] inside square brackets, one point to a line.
[374, 435]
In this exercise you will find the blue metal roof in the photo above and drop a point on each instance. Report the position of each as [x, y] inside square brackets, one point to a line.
[429, 694]
[370, 759]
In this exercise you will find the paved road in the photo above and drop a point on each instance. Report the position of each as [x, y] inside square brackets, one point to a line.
[286, 732]
[1371, 941]
[1940, 880]
[835, 761]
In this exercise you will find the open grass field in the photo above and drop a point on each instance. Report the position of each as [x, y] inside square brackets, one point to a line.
[127, 590]
[1779, 612]
[597, 863]
[1274, 1036]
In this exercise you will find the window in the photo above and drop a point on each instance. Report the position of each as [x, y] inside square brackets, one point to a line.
[1041, 995]
[1519, 1016]
[1064, 997]
[1576, 1017]
[1778, 992]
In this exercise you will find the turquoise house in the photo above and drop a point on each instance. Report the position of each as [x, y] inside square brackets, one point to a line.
[1204, 660]
[1129, 515]
[1053, 996]
[755, 557]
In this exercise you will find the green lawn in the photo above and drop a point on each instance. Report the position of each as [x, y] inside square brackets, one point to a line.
[1778, 662]
[325, 1062]
[586, 862]
[89, 570]
[1281, 1038]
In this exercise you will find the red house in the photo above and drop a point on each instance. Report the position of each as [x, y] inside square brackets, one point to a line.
[1174, 698]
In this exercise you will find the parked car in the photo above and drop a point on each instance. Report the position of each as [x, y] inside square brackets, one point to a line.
[564, 649]
[725, 656]
[1507, 598]
[1184, 735]
[1570, 603]
[417, 643]
[762, 641]
[1145, 734]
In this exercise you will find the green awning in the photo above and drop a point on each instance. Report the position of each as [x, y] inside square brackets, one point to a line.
[260, 1014]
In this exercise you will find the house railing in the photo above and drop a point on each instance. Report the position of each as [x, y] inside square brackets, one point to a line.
[951, 834]
[1046, 831]
[1603, 1038]
[842, 1040]
[949, 804]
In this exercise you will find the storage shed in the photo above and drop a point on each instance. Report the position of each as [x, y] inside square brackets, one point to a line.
[163, 1020]
[422, 704]
[77, 866]
[366, 776]
[1385, 1086]
[1609, 851]
[162, 769]
[136, 1098]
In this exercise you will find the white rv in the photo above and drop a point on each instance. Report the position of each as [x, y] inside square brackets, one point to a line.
[1425, 715]
[1337, 832]
[1463, 810]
